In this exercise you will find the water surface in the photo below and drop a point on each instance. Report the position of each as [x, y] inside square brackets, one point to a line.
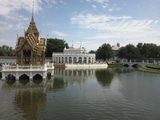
[116, 94]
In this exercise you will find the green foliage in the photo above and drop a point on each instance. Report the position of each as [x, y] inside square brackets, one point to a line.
[104, 52]
[55, 45]
[142, 51]
[92, 51]
[6, 51]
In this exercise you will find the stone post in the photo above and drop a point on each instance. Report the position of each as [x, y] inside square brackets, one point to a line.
[31, 66]
[17, 67]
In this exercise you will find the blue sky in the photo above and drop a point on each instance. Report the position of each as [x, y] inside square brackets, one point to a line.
[87, 22]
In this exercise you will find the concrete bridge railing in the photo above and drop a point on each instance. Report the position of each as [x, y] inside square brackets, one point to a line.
[138, 63]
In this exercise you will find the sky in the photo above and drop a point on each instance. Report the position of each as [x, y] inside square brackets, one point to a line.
[89, 23]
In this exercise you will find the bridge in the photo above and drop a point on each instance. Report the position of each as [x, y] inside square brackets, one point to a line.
[135, 64]
[30, 71]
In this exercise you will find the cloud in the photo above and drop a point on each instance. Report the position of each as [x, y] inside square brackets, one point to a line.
[53, 2]
[126, 29]
[8, 7]
[5, 26]
[111, 23]
[94, 6]
[114, 8]
[102, 3]
[59, 34]
[13, 12]
[98, 1]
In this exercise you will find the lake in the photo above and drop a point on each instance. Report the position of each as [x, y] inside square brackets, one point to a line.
[112, 93]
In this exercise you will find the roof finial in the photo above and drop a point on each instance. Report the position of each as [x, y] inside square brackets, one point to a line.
[80, 44]
[72, 43]
[33, 11]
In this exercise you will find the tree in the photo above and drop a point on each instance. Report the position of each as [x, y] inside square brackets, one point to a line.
[55, 45]
[104, 52]
[140, 49]
[122, 52]
[129, 52]
[6, 51]
[92, 51]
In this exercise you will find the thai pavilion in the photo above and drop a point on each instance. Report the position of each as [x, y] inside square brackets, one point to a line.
[30, 57]
[30, 49]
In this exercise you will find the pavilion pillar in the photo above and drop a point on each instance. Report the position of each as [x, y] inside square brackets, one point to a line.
[44, 75]
[17, 76]
[3, 75]
[30, 76]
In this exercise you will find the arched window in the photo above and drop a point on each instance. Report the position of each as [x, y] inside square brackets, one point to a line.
[66, 60]
[85, 60]
[80, 60]
[74, 60]
[62, 60]
[70, 59]
[89, 60]
[59, 60]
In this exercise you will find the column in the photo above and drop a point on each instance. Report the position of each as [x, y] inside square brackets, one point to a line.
[67, 59]
[87, 59]
[3, 75]
[17, 76]
[44, 74]
[30, 76]
[30, 66]
[82, 59]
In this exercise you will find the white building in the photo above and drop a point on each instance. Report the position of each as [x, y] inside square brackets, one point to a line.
[115, 49]
[73, 55]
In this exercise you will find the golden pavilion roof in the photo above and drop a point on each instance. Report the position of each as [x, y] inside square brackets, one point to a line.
[38, 45]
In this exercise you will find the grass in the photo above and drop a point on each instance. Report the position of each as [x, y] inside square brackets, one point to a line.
[154, 66]
[114, 65]
[151, 69]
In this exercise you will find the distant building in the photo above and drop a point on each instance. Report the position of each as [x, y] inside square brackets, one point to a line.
[115, 49]
[30, 49]
[73, 55]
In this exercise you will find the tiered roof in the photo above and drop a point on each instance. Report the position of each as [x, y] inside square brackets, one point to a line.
[38, 45]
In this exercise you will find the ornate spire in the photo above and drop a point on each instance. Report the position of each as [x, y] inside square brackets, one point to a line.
[33, 12]
[32, 26]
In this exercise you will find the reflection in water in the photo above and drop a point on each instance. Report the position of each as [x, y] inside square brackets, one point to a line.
[56, 83]
[78, 96]
[30, 102]
[30, 97]
[10, 82]
[104, 77]
[63, 77]
[24, 82]
[73, 75]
